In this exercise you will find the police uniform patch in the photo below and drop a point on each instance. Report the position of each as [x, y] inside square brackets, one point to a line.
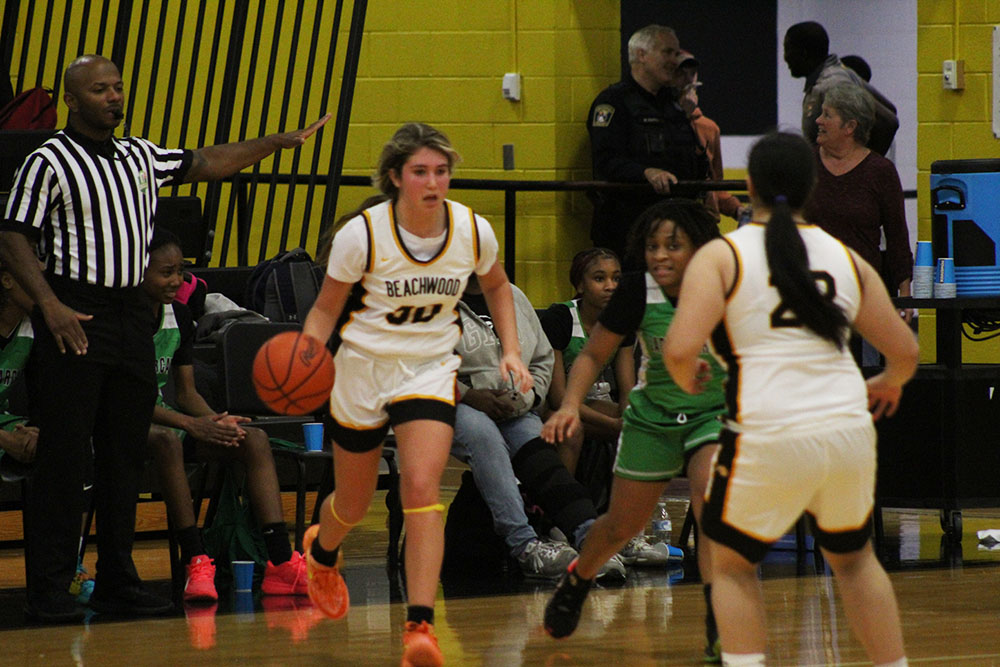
[602, 115]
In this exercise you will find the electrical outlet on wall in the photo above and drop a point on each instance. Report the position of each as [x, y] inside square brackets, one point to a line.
[953, 75]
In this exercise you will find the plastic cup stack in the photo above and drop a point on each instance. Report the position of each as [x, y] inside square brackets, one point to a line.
[944, 281]
[922, 286]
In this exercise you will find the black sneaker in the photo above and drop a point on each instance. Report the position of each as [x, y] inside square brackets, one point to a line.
[129, 600]
[562, 613]
[56, 607]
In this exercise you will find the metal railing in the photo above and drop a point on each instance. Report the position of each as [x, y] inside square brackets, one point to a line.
[510, 188]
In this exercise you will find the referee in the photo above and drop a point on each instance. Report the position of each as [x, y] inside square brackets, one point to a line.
[87, 199]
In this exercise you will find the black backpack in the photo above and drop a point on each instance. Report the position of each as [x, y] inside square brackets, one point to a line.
[284, 287]
[470, 543]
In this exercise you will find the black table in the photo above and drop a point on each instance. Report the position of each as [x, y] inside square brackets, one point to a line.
[942, 448]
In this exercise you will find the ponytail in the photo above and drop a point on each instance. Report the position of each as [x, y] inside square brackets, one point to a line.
[783, 170]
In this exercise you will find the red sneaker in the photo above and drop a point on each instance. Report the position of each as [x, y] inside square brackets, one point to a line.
[420, 646]
[327, 589]
[200, 585]
[289, 578]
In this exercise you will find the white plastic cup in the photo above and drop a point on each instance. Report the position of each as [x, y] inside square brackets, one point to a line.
[944, 290]
[313, 433]
[923, 281]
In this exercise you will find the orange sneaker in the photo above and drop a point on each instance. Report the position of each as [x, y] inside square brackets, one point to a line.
[289, 578]
[327, 589]
[420, 646]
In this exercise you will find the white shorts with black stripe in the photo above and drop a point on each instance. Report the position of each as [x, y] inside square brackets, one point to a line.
[761, 484]
[365, 386]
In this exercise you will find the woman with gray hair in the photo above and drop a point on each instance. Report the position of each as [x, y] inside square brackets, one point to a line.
[858, 196]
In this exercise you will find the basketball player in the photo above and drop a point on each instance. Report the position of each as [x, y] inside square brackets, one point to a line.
[665, 429]
[409, 259]
[778, 298]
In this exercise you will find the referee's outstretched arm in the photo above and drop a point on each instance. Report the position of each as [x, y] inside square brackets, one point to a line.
[215, 162]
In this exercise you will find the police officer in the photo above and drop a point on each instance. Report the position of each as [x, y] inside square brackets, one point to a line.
[638, 133]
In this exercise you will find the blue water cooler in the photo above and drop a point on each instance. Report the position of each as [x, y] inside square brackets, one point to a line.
[965, 224]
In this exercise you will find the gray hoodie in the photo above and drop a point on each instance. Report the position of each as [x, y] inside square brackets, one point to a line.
[480, 350]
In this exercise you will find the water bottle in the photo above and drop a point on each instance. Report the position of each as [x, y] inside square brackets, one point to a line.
[660, 524]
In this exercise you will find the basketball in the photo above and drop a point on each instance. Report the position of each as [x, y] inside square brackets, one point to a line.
[293, 373]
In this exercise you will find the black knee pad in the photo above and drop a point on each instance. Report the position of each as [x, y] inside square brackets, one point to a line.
[543, 475]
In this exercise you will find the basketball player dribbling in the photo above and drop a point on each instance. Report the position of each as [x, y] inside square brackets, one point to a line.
[408, 259]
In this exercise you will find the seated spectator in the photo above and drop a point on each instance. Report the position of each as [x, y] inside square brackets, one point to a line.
[196, 432]
[17, 438]
[498, 434]
[594, 274]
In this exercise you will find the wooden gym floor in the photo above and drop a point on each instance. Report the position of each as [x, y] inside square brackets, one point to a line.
[948, 599]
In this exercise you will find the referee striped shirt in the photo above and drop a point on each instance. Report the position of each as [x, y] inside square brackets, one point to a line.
[90, 204]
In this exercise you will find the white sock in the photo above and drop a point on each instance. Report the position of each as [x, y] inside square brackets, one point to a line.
[742, 659]
[895, 663]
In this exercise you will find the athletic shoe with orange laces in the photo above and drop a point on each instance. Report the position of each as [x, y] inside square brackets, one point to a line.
[327, 588]
[200, 584]
[289, 578]
[420, 646]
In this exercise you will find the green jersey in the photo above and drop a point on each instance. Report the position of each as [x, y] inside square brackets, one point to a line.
[639, 304]
[173, 343]
[14, 357]
[564, 328]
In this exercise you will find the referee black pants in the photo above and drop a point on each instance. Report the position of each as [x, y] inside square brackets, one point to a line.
[107, 396]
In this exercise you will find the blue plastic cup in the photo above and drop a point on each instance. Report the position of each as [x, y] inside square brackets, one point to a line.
[925, 254]
[314, 436]
[946, 270]
[243, 575]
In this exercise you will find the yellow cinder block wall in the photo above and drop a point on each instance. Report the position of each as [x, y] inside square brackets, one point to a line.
[953, 124]
[442, 62]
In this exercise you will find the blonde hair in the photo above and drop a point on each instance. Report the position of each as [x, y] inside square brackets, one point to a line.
[406, 141]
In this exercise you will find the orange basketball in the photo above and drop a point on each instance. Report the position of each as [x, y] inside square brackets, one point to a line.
[293, 373]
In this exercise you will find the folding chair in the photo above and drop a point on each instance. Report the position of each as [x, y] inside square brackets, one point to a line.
[182, 216]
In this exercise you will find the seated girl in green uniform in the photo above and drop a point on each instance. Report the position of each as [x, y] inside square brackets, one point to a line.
[17, 438]
[665, 429]
[197, 432]
[594, 274]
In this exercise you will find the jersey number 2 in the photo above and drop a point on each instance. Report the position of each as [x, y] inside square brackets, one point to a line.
[416, 315]
[784, 316]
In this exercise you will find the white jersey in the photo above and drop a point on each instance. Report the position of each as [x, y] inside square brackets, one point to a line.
[780, 374]
[409, 305]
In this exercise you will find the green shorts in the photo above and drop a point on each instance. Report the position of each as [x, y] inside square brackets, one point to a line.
[647, 455]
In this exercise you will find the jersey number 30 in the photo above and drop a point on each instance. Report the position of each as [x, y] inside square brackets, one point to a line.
[405, 314]
[784, 316]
